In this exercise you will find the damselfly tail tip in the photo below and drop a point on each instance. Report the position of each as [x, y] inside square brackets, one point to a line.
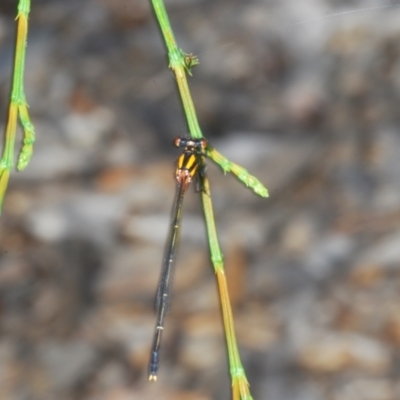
[153, 377]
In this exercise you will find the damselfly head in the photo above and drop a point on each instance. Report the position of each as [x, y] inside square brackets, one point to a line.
[190, 143]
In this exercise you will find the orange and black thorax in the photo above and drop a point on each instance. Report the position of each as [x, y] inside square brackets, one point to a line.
[187, 166]
[189, 161]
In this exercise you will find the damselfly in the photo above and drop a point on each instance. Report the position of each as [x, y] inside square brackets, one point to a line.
[188, 165]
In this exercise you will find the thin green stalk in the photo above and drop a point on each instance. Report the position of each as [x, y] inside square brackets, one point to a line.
[18, 107]
[181, 63]
[242, 174]
[240, 385]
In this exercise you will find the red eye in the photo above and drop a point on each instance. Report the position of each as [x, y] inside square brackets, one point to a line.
[203, 143]
[177, 142]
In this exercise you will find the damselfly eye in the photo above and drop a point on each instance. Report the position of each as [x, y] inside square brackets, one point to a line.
[203, 143]
[177, 142]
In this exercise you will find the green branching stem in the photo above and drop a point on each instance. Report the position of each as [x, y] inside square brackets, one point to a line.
[181, 64]
[18, 107]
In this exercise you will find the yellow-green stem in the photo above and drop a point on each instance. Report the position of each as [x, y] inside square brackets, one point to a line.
[18, 107]
[240, 386]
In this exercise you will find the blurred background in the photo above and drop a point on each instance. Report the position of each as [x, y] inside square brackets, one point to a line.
[305, 95]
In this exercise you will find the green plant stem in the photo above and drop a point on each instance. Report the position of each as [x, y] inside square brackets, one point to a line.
[242, 174]
[179, 62]
[240, 385]
[18, 107]
[182, 63]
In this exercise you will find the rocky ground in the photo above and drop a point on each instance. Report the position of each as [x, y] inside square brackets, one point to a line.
[305, 95]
